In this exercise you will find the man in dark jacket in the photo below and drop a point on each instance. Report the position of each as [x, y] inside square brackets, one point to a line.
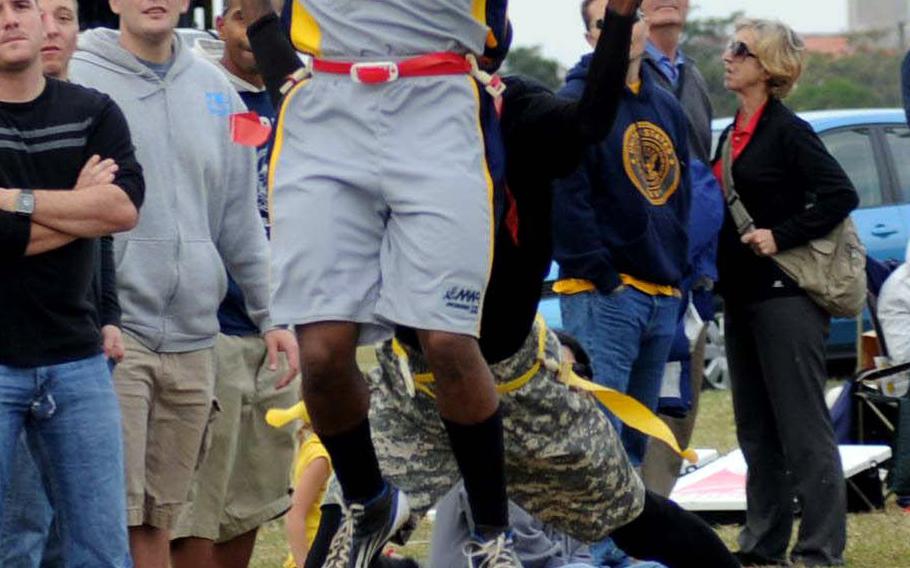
[620, 234]
[665, 62]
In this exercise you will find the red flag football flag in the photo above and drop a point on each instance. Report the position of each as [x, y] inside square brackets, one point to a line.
[248, 130]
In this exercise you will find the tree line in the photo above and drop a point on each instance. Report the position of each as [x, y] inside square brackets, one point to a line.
[869, 77]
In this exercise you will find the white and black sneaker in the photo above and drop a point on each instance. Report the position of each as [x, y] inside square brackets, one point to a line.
[365, 530]
[496, 553]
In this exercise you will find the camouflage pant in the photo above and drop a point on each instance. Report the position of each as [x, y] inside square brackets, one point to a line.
[564, 462]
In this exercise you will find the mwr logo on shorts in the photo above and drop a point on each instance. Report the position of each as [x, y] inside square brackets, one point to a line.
[461, 298]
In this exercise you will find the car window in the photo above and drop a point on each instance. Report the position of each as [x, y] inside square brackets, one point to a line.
[854, 150]
[898, 138]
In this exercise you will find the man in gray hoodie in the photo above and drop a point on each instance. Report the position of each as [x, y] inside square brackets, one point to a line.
[200, 216]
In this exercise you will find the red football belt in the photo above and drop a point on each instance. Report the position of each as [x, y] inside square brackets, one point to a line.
[372, 73]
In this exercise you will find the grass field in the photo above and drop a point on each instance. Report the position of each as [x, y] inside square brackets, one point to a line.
[876, 540]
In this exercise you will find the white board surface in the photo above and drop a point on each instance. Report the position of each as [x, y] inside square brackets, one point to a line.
[721, 485]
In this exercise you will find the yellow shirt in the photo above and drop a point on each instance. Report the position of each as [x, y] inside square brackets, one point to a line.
[310, 451]
[571, 286]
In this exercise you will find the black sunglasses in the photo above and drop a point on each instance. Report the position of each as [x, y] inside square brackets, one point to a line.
[739, 50]
[599, 22]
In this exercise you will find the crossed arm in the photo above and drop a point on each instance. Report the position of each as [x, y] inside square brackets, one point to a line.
[95, 207]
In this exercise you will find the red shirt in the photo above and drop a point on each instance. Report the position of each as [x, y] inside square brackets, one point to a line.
[740, 139]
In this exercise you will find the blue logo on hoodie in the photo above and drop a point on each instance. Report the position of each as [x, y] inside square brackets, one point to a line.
[218, 103]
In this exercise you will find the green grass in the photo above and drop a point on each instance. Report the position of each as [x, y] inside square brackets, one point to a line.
[875, 540]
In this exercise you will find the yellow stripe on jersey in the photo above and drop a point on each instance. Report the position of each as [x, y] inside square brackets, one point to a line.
[479, 11]
[306, 34]
[488, 179]
[279, 141]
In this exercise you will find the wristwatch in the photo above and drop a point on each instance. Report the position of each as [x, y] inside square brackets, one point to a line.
[25, 203]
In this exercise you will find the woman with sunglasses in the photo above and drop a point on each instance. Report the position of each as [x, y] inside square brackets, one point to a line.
[775, 334]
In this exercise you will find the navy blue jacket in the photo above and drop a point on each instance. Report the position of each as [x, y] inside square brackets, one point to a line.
[626, 210]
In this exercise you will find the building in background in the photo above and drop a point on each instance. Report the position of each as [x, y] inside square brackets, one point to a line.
[835, 45]
[885, 21]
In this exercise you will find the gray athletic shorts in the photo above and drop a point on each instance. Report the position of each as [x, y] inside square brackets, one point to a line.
[381, 204]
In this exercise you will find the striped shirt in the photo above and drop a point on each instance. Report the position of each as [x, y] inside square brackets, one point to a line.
[46, 317]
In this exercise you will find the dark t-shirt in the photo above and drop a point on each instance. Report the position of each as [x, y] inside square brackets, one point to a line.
[46, 316]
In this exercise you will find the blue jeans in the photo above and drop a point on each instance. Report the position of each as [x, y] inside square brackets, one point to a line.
[628, 335]
[71, 419]
[29, 538]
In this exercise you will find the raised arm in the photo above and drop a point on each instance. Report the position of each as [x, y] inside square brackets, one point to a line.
[551, 131]
[275, 57]
[607, 74]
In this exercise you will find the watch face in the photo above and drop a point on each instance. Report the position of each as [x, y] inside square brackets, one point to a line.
[25, 204]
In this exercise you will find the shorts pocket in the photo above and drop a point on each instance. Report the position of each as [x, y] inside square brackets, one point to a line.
[207, 433]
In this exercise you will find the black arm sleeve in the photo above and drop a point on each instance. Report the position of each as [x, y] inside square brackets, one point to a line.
[110, 305]
[275, 56]
[606, 77]
[111, 139]
[834, 194]
[552, 132]
[15, 233]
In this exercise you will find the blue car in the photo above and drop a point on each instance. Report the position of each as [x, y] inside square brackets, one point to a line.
[873, 147]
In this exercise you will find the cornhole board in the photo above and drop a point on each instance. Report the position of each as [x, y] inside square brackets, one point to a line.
[720, 486]
[705, 456]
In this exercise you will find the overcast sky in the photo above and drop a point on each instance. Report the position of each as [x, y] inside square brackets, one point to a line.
[556, 24]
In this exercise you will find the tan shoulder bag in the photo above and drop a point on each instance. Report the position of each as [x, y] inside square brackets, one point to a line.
[832, 269]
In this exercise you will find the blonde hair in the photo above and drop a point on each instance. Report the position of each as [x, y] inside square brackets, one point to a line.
[779, 51]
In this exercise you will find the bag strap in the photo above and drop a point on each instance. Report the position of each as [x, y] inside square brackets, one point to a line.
[742, 219]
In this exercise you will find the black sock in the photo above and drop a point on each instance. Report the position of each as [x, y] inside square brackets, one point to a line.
[355, 464]
[479, 451]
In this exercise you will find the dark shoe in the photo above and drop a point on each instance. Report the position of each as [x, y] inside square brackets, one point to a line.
[365, 530]
[815, 563]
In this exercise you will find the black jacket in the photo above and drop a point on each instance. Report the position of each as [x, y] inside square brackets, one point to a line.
[790, 184]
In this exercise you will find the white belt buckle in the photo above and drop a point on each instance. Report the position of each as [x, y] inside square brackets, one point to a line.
[390, 67]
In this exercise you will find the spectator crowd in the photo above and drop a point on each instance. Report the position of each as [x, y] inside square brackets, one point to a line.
[198, 230]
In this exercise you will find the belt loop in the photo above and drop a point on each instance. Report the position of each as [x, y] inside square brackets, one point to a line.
[298, 76]
[492, 83]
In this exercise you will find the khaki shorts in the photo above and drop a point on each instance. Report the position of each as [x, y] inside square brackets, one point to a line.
[243, 481]
[166, 402]
[564, 462]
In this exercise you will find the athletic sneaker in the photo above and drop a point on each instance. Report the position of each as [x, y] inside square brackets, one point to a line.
[366, 529]
[496, 553]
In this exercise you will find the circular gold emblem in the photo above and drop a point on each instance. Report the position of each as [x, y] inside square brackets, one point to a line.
[650, 161]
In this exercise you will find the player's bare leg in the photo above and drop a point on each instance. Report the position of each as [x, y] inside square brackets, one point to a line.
[338, 401]
[469, 407]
